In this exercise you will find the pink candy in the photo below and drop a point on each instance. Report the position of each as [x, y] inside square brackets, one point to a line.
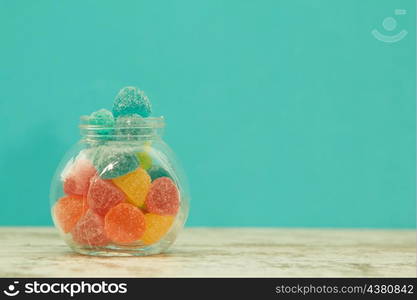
[163, 197]
[78, 179]
[90, 230]
[103, 195]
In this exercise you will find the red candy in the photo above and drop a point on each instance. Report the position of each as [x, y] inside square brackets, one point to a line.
[78, 179]
[163, 197]
[90, 230]
[103, 195]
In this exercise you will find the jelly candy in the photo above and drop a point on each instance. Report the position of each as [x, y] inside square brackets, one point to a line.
[163, 197]
[131, 100]
[145, 160]
[135, 185]
[156, 227]
[157, 171]
[103, 195]
[124, 223]
[103, 118]
[90, 230]
[68, 210]
[131, 126]
[77, 180]
[112, 162]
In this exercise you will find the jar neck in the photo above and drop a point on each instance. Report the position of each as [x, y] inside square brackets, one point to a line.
[147, 129]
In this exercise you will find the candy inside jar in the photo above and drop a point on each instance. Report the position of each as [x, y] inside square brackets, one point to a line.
[120, 190]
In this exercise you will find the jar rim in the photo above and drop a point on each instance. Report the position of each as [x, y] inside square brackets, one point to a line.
[143, 123]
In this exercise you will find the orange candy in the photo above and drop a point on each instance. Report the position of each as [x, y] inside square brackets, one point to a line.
[135, 185]
[156, 227]
[124, 223]
[68, 210]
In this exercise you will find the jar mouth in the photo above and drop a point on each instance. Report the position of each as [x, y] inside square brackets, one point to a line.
[134, 127]
[150, 123]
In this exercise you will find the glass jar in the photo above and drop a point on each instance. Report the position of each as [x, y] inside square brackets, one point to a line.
[120, 190]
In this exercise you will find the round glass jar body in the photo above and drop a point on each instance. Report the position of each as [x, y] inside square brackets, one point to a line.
[120, 191]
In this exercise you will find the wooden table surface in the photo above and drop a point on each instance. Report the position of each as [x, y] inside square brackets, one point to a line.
[221, 252]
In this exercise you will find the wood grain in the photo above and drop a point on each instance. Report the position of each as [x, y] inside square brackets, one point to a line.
[221, 252]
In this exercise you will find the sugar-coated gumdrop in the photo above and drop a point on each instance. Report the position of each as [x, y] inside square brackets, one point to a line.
[145, 160]
[156, 227]
[77, 180]
[112, 162]
[163, 197]
[135, 185]
[103, 195]
[130, 100]
[90, 230]
[104, 119]
[68, 210]
[124, 223]
[157, 171]
[132, 126]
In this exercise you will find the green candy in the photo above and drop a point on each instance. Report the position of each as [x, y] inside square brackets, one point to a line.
[157, 171]
[104, 121]
[111, 162]
[145, 160]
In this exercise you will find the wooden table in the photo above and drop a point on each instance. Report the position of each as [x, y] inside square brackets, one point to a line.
[221, 252]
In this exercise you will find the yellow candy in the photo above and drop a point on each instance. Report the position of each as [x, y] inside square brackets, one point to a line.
[135, 185]
[156, 227]
[144, 159]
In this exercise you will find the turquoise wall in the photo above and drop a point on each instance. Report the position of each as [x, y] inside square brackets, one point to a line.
[284, 113]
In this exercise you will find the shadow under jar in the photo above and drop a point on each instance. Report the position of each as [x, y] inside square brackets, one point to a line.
[120, 191]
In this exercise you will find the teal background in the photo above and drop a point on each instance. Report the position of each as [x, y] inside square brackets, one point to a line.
[283, 113]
